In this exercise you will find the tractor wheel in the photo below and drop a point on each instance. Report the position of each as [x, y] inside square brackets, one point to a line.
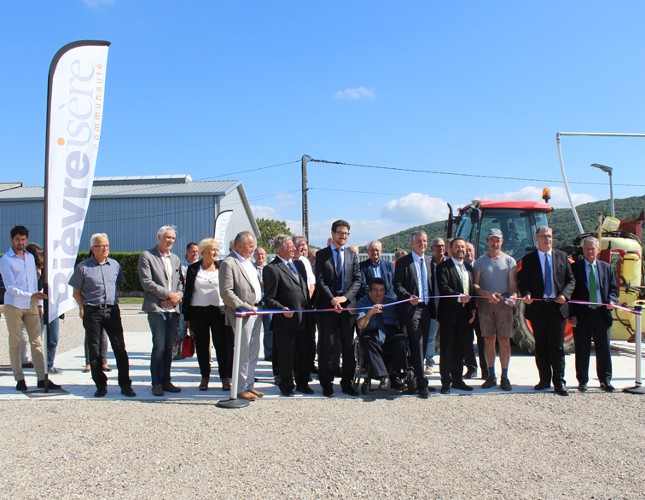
[523, 332]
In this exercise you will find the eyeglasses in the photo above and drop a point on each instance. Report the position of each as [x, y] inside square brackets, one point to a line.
[342, 233]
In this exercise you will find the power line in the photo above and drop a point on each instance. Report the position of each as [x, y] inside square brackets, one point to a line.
[249, 170]
[461, 174]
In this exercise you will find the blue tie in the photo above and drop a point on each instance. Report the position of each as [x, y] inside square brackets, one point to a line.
[548, 288]
[424, 280]
[339, 269]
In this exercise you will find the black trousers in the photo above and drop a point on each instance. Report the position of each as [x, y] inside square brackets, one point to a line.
[293, 347]
[377, 354]
[331, 326]
[548, 330]
[454, 333]
[417, 326]
[208, 322]
[470, 361]
[95, 320]
[593, 326]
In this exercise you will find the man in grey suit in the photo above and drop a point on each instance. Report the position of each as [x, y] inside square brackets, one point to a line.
[240, 289]
[163, 286]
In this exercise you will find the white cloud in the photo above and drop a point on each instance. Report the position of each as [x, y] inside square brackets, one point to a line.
[415, 209]
[558, 196]
[98, 4]
[285, 199]
[355, 93]
[264, 212]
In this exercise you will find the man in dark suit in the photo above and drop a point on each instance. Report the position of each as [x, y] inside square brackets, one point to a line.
[413, 280]
[455, 278]
[285, 288]
[338, 280]
[546, 276]
[375, 267]
[595, 282]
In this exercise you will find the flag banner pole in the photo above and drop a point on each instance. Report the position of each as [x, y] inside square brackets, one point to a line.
[75, 93]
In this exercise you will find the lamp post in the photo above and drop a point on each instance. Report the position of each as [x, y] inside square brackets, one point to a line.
[609, 171]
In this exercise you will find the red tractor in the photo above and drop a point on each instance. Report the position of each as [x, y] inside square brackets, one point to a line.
[518, 221]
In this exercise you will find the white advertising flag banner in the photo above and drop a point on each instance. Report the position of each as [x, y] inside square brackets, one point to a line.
[74, 116]
[221, 228]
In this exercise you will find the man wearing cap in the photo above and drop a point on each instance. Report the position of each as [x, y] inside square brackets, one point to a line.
[495, 275]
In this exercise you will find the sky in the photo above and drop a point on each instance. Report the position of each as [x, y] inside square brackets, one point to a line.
[457, 100]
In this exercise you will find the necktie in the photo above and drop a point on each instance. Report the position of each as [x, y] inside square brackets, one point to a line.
[424, 280]
[292, 268]
[548, 287]
[464, 278]
[381, 327]
[593, 286]
[339, 268]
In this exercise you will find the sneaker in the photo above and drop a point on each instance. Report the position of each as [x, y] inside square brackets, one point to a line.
[170, 387]
[489, 382]
[429, 370]
[505, 385]
[53, 369]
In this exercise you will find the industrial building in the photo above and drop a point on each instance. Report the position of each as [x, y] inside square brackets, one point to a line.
[131, 209]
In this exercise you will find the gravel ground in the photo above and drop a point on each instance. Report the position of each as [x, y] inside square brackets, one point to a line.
[510, 445]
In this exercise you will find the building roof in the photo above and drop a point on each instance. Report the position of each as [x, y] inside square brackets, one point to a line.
[134, 187]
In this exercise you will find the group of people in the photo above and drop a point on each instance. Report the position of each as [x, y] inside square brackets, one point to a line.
[313, 303]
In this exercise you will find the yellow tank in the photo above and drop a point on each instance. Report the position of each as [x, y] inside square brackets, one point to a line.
[626, 257]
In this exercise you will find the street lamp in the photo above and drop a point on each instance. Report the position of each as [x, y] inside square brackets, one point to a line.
[609, 170]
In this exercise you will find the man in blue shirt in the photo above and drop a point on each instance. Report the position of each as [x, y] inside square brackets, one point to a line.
[23, 305]
[379, 332]
[96, 281]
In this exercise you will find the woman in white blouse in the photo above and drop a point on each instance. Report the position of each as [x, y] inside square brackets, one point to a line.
[203, 312]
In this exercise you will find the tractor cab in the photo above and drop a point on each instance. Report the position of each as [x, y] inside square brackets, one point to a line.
[518, 221]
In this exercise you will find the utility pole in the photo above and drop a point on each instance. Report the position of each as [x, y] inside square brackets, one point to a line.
[305, 207]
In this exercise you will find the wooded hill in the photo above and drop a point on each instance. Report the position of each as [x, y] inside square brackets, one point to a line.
[561, 220]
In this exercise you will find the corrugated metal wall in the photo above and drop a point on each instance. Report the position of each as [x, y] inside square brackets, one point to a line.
[132, 223]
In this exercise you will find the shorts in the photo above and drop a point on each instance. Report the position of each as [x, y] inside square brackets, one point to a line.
[495, 319]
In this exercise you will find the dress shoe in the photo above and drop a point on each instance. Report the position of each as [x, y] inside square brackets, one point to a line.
[445, 389]
[542, 386]
[424, 393]
[489, 382]
[28, 364]
[170, 387]
[86, 369]
[287, 394]
[349, 390]
[506, 385]
[607, 387]
[583, 387]
[385, 384]
[100, 391]
[106, 368]
[471, 374]
[248, 395]
[561, 391]
[268, 358]
[257, 393]
[461, 385]
[226, 384]
[21, 385]
[328, 392]
[397, 383]
[203, 385]
[276, 380]
[157, 390]
[51, 386]
[127, 391]
[305, 389]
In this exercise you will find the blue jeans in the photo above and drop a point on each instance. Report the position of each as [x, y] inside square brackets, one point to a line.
[430, 346]
[52, 340]
[164, 328]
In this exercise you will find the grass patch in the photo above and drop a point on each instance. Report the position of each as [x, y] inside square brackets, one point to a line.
[131, 300]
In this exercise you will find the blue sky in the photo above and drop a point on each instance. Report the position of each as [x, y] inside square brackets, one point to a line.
[218, 89]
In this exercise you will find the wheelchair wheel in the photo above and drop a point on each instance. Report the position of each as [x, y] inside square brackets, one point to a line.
[358, 371]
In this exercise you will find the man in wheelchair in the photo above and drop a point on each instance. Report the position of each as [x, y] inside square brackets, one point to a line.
[380, 337]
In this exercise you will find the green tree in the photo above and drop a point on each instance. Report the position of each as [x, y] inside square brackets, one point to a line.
[269, 229]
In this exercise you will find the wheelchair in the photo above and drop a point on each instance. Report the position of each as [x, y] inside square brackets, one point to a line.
[405, 381]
